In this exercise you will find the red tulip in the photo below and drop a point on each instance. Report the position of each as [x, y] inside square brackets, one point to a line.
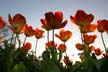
[2, 23]
[64, 35]
[29, 31]
[81, 18]
[88, 28]
[45, 25]
[66, 59]
[98, 51]
[102, 25]
[1, 37]
[18, 23]
[88, 39]
[91, 48]
[26, 47]
[53, 21]
[51, 44]
[39, 33]
[62, 48]
[79, 46]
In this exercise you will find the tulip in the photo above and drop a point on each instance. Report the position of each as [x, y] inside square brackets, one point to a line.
[29, 31]
[64, 35]
[18, 23]
[54, 21]
[62, 48]
[2, 23]
[26, 47]
[81, 18]
[101, 25]
[88, 39]
[98, 51]
[39, 33]
[51, 44]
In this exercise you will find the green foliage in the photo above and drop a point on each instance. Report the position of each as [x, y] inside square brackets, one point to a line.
[104, 65]
[16, 57]
[19, 67]
[49, 66]
[18, 61]
[76, 67]
[14, 60]
[50, 62]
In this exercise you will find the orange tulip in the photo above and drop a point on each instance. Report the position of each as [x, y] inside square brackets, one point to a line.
[64, 35]
[18, 23]
[1, 37]
[106, 26]
[54, 20]
[2, 23]
[88, 39]
[62, 48]
[98, 51]
[29, 31]
[81, 18]
[39, 33]
[88, 28]
[79, 46]
[51, 44]
[81, 56]
[26, 47]
[91, 48]
[45, 25]
[101, 25]
[66, 59]
[105, 55]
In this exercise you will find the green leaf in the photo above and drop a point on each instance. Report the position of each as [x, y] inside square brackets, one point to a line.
[98, 63]
[75, 67]
[60, 57]
[46, 55]
[89, 66]
[49, 66]
[8, 56]
[104, 66]
[54, 55]
[20, 67]
[86, 53]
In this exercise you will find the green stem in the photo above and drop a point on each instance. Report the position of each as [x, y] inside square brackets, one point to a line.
[107, 33]
[48, 37]
[103, 42]
[7, 58]
[53, 36]
[82, 38]
[12, 37]
[85, 49]
[65, 51]
[36, 46]
[18, 40]
[25, 40]
[15, 40]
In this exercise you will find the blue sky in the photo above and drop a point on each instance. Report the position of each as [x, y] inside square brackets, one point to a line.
[34, 10]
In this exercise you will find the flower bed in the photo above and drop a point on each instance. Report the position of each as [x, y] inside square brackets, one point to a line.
[16, 56]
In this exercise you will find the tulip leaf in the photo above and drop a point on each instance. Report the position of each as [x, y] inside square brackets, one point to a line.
[89, 66]
[20, 67]
[104, 66]
[49, 66]
[60, 57]
[98, 63]
[7, 56]
[75, 67]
